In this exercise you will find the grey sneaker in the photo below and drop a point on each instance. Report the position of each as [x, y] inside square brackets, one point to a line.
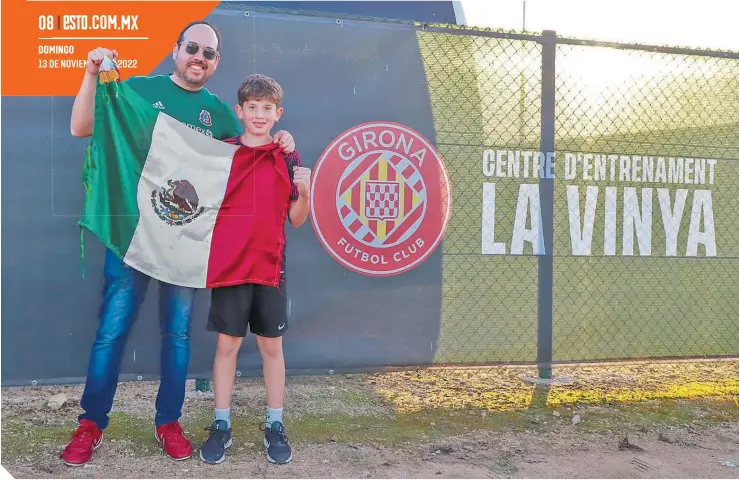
[213, 450]
[278, 448]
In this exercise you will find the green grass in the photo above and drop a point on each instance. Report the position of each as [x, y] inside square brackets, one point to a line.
[654, 415]
[361, 411]
[22, 440]
[358, 397]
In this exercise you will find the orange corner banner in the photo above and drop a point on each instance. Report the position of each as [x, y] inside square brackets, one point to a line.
[45, 42]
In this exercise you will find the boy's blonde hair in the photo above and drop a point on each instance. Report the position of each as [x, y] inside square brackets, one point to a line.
[260, 87]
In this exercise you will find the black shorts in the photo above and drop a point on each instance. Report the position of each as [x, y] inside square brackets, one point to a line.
[260, 308]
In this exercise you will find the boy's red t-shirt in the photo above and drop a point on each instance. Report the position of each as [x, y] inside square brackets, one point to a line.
[252, 249]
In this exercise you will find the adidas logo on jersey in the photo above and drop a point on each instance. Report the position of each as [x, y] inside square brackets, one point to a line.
[158, 105]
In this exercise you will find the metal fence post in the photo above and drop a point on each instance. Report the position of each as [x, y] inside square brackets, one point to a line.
[546, 194]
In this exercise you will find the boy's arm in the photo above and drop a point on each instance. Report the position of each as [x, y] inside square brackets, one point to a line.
[300, 189]
[299, 211]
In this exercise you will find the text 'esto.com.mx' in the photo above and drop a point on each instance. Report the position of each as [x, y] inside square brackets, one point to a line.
[61, 33]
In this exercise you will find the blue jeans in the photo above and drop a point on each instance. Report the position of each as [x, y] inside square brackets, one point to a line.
[123, 293]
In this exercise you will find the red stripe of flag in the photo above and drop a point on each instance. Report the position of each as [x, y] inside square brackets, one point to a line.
[245, 221]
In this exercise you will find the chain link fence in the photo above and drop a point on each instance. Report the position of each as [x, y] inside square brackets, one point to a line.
[618, 248]
[484, 91]
[613, 269]
[659, 131]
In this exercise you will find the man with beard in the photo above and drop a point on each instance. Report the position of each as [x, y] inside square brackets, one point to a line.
[181, 95]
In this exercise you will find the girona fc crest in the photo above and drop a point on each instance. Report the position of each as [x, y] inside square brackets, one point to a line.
[381, 199]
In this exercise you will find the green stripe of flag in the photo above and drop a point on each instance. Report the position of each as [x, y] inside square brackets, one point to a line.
[121, 139]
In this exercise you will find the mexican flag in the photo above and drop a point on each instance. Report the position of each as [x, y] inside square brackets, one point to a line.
[165, 198]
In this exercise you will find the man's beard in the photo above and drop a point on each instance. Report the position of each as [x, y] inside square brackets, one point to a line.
[195, 82]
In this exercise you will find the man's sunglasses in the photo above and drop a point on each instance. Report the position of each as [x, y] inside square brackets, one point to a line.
[208, 53]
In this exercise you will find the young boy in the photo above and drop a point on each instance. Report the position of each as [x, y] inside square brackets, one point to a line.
[258, 305]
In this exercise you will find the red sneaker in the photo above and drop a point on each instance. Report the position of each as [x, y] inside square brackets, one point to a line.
[173, 441]
[85, 440]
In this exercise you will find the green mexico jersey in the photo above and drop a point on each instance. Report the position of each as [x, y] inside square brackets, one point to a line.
[200, 110]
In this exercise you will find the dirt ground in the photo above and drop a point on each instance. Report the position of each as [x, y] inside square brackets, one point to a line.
[348, 426]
